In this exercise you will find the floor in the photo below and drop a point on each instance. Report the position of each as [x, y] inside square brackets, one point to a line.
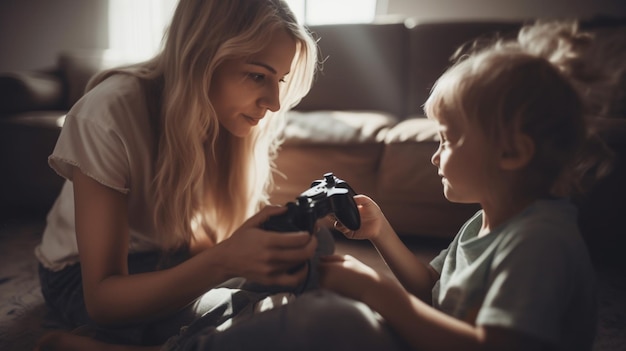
[23, 314]
[425, 249]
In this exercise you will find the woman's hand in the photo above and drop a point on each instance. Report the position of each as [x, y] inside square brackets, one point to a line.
[372, 220]
[267, 257]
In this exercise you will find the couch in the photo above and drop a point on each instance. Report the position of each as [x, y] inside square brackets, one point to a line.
[362, 120]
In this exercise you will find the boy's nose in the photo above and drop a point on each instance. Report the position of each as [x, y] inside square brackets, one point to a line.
[435, 158]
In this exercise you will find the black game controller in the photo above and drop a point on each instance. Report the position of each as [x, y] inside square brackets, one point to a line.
[326, 196]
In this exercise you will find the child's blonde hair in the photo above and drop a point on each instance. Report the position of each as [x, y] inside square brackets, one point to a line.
[205, 176]
[532, 85]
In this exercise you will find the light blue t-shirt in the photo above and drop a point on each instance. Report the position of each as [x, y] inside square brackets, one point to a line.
[532, 274]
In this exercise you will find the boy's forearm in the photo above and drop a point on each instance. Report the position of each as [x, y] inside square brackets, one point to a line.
[412, 273]
[422, 326]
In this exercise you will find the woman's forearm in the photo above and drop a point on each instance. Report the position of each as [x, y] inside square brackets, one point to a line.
[138, 297]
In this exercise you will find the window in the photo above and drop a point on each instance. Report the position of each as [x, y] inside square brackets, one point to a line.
[136, 27]
[333, 11]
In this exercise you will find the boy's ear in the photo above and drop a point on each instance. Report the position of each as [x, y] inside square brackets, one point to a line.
[517, 153]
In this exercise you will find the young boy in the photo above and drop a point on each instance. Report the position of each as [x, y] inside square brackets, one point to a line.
[517, 276]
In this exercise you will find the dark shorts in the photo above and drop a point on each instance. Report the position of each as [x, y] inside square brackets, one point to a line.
[63, 294]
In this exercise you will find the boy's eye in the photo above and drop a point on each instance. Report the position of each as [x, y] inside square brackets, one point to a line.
[443, 141]
[442, 138]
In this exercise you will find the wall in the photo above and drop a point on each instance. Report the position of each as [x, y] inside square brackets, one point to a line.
[504, 9]
[33, 32]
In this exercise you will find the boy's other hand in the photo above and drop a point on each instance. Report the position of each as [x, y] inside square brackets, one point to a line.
[348, 276]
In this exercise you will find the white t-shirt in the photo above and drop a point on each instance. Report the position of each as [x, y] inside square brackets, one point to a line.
[532, 274]
[109, 135]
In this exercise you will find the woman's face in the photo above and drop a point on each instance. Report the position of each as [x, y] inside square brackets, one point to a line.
[243, 90]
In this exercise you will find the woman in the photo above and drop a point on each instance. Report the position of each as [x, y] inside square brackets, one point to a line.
[167, 162]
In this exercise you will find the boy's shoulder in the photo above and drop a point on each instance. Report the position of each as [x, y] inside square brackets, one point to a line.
[550, 215]
[545, 226]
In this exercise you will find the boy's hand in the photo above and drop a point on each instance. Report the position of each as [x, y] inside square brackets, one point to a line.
[372, 220]
[348, 276]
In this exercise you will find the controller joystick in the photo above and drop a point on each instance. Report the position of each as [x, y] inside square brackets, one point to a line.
[330, 195]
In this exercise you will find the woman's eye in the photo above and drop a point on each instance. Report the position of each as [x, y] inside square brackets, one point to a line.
[257, 77]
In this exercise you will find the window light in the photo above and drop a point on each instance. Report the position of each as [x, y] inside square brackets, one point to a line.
[136, 27]
[314, 12]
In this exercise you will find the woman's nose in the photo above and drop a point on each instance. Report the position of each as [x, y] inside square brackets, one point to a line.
[270, 99]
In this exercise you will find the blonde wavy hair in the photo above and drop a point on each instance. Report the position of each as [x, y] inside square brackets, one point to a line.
[536, 84]
[204, 176]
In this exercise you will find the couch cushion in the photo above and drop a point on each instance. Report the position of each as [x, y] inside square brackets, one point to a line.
[349, 144]
[407, 174]
[78, 66]
[409, 190]
[364, 68]
[337, 127]
[26, 140]
[49, 119]
[25, 91]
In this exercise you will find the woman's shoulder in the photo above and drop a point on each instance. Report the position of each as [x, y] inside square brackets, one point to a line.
[118, 99]
[113, 90]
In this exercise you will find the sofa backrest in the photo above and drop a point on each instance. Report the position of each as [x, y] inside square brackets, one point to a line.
[387, 67]
[78, 66]
[364, 68]
[433, 44]
[392, 67]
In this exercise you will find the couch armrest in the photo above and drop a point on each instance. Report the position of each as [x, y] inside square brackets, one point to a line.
[27, 91]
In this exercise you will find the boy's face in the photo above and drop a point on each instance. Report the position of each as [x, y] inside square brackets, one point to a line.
[242, 91]
[464, 160]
